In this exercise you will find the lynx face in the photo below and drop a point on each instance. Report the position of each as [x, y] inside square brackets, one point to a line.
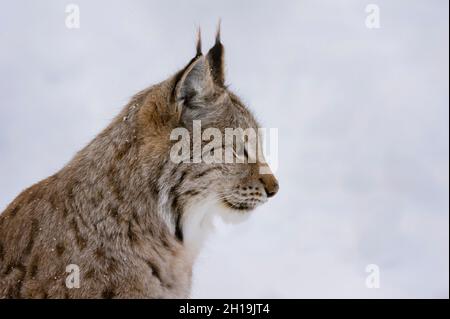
[237, 185]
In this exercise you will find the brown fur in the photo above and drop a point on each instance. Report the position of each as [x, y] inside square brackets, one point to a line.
[115, 209]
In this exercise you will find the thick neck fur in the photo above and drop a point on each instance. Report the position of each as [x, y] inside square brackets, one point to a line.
[102, 211]
[115, 177]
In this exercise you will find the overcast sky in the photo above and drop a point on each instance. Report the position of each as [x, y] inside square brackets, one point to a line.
[362, 116]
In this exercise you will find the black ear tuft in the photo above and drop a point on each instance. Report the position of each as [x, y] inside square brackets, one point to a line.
[199, 42]
[218, 32]
[216, 60]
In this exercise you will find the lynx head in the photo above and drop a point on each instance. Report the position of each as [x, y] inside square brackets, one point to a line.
[199, 177]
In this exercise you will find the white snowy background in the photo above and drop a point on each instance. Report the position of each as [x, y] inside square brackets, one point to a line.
[363, 119]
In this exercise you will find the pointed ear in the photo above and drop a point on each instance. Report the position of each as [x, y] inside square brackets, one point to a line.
[196, 83]
[215, 58]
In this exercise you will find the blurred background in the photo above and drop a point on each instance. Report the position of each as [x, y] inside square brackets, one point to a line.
[362, 116]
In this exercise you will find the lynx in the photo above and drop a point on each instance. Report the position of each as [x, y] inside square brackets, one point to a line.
[127, 216]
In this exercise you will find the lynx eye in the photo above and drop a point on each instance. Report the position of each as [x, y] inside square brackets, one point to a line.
[245, 153]
[242, 155]
[246, 156]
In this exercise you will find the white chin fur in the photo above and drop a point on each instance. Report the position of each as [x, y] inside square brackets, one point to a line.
[232, 216]
[198, 221]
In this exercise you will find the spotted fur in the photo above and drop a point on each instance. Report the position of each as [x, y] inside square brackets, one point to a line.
[121, 210]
